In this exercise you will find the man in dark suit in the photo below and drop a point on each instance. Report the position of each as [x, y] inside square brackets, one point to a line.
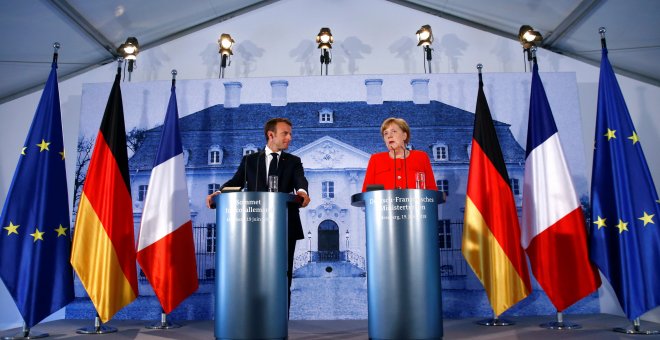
[274, 161]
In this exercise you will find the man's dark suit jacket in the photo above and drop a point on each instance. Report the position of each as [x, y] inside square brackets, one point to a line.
[291, 177]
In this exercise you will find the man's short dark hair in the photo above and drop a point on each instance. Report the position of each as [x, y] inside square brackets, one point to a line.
[270, 125]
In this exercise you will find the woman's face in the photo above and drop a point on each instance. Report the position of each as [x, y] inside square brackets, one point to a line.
[394, 137]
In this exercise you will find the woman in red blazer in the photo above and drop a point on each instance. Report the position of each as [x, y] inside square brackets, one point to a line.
[398, 167]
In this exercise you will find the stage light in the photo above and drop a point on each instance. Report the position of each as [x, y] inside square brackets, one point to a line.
[425, 39]
[225, 42]
[129, 51]
[529, 39]
[325, 40]
[424, 36]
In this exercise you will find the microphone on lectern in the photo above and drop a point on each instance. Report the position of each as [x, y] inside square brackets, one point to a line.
[405, 165]
[256, 177]
[245, 185]
[394, 158]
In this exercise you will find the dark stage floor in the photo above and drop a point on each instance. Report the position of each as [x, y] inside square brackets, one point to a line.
[598, 326]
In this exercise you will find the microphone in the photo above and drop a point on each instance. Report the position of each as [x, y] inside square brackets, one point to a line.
[256, 177]
[245, 164]
[394, 151]
[405, 165]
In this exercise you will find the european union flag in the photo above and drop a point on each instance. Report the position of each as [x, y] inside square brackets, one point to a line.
[35, 240]
[624, 238]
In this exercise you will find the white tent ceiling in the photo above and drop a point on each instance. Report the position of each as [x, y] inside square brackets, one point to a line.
[94, 29]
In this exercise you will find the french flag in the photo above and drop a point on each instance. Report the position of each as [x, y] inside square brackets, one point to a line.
[166, 250]
[554, 231]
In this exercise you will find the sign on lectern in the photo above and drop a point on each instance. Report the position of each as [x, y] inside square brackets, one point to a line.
[403, 263]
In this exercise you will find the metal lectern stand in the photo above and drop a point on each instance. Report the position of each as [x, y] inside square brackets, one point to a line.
[403, 264]
[251, 265]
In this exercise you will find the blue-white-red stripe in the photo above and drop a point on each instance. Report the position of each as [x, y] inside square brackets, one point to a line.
[166, 251]
[553, 232]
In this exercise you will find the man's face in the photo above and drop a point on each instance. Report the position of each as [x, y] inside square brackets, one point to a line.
[280, 139]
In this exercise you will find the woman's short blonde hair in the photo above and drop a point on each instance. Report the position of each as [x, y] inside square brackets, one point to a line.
[400, 123]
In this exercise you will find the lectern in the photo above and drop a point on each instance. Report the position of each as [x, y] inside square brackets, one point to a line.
[403, 264]
[251, 265]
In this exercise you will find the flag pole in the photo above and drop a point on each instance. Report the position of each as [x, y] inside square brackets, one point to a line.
[119, 61]
[98, 328]
[601, 31]
[174, 73]
[494, 321]
[56, 47]
[26, 332]
[164, 323]
[560, 324]
[636, 329]
[636, 323]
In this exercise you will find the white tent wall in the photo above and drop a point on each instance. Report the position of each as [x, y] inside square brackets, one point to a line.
[371, 37]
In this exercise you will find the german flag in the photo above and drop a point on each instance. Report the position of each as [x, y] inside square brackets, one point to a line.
[491, 231]
[103, 253]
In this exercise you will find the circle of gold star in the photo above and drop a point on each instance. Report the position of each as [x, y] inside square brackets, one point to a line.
[43, 145]
[634, 138]
[647, 218]
[623, 226]
[610, 134]
[11, 228]
[600, 222]
[61, 231]
[38, 235]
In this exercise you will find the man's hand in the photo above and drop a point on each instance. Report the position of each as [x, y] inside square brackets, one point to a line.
[209, 200]
[305, 198]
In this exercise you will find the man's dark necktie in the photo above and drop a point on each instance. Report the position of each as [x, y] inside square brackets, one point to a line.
[272, 167]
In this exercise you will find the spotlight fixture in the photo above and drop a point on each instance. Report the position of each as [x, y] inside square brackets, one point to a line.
[425, 39]
[529, 38]
[325, 40]
[129, 51]
[225, 42]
